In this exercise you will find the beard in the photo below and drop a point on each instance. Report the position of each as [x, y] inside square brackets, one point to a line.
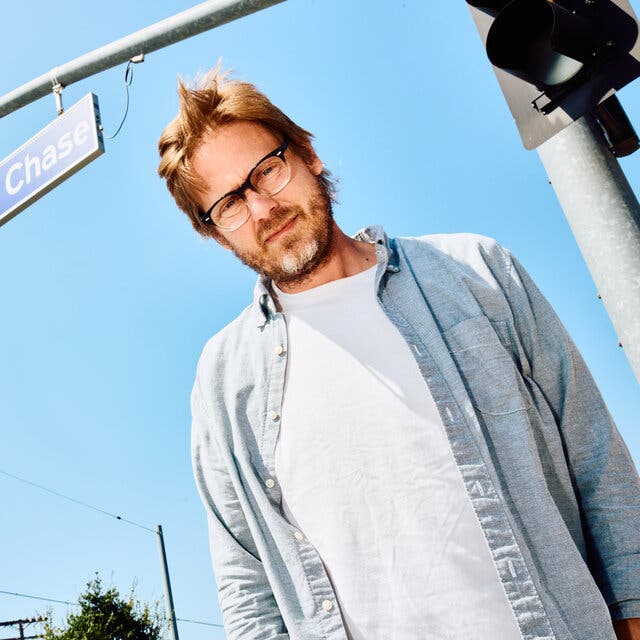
[294, 257]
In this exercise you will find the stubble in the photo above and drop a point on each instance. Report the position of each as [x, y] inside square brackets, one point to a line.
[292, 259]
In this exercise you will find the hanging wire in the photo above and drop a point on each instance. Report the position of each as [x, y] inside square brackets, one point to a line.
[128, 81]
[80, 502]
[76, 604]
[88, 506]
[206, 624]
[24, 595]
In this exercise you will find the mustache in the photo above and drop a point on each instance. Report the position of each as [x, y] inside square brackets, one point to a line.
[269, 226]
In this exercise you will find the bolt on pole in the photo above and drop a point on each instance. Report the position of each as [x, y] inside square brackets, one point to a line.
[191, 22]
[604, 215]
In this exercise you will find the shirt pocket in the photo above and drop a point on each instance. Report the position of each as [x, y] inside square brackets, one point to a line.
[491, 377]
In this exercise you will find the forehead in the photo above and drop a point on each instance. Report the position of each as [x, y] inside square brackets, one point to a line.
[226, 156]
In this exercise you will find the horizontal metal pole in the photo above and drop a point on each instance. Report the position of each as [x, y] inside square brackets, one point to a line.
[191, 22]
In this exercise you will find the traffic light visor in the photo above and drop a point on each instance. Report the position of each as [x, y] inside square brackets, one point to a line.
[490, 6]
[541, 41]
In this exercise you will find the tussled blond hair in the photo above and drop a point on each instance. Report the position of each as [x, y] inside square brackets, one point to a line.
[213, 101]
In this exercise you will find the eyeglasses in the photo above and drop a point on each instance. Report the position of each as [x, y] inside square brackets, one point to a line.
[268, 177]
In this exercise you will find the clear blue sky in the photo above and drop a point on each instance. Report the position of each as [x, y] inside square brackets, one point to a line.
[108, 295]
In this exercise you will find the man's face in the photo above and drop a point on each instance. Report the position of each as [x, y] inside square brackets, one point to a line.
[288, 235]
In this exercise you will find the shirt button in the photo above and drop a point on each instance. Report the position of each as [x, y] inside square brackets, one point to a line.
[298, 536]
[279, 350]
[327, 605]
[270, 482]
[274, 415]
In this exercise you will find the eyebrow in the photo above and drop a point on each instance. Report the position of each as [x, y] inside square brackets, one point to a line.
[206, 215]
[243, 186]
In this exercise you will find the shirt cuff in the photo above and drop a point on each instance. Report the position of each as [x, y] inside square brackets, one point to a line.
[624, 610]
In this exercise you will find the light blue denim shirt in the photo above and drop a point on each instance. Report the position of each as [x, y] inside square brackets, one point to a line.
[551, 481]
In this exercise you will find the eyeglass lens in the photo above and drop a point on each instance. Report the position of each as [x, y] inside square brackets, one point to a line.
[269, 177]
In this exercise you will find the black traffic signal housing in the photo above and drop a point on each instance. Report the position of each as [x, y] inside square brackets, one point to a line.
[557, 60]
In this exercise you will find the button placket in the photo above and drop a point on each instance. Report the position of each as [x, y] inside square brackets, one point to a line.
[273, 400]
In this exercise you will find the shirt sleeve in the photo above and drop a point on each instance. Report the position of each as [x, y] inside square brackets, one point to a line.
[604, 476]
[249, 609]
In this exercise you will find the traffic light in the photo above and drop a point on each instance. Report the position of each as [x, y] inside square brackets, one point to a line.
[557, 60]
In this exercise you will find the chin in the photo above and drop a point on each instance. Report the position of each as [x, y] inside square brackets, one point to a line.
[294, 263]
[301, 251]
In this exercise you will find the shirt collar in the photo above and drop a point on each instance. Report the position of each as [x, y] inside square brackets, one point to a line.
[386, 253]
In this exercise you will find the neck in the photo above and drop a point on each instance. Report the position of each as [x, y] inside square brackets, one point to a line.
[346, 257]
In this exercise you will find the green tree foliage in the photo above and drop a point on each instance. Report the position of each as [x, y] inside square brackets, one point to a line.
[106, 615]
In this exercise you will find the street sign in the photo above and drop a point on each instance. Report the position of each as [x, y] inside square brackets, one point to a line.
[56, 152]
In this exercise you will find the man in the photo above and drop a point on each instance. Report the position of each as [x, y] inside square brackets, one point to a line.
[397, 439]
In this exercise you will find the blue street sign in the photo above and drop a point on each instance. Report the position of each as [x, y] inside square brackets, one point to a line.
[56, 152]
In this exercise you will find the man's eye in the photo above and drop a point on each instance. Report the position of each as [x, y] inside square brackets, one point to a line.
[266, 171]
[230, 203]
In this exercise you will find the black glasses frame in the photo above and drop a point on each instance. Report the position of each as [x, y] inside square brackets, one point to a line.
[205, 218]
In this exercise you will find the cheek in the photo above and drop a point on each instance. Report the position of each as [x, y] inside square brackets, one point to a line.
[301, 194]
[241, 239]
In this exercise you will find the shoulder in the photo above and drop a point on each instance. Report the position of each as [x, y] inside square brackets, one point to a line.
[228, 343]
[461, 253]
[467, 248]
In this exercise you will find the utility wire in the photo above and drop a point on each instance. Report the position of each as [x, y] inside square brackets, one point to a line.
[75, 604]
[207, 624]
[24, 595]
[88, 506]
[80, 502]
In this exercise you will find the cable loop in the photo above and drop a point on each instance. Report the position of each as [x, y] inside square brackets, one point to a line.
[128, 81]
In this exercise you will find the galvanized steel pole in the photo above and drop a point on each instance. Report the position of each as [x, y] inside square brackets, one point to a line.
[191, 22]
[604, 215]
[171, 613]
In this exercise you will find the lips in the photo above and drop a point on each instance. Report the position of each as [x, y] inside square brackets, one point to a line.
[282, 230]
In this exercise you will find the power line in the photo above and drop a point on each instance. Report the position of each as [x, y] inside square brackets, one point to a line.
[207, 624]
[24, 595]
[75, 604]
[13, 623]
[21, 624]
[80, 502]
[93, 508]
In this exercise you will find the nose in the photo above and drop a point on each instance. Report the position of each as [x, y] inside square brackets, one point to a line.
[259, 205]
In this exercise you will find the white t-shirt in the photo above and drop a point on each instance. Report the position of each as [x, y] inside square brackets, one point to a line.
[368, 477]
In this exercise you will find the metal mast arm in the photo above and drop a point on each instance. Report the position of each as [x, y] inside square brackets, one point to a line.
[191, 22]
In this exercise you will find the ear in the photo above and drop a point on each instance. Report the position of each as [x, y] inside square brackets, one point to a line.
[315, 165]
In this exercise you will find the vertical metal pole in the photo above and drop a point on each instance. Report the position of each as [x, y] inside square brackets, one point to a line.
[604, 215]
[171, 614]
